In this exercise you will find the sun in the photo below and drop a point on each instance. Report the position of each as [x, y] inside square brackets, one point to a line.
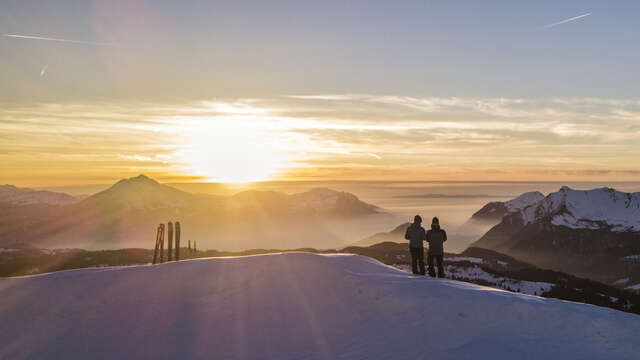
[234, 150]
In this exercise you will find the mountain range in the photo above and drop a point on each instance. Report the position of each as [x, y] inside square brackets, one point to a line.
[127, 214]
[593, 233]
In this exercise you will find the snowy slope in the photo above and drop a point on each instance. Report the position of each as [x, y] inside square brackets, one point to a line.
[523, 201]
[493, 212]
[497, 209]
[294, 306]
[475, 273]
[590, 209]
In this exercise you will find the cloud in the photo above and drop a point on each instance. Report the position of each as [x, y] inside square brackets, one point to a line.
[333, 97]
[143, 158]
[357, 136]
[567, 20]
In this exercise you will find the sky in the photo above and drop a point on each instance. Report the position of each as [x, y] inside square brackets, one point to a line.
[94, 91]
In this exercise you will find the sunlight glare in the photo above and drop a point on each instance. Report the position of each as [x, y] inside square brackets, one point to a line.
[235, 149]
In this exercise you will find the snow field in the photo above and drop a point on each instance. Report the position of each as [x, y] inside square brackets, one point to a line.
[294, 306]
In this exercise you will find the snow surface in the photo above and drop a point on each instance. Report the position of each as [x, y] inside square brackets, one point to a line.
[621, 281]
[633, 287]
[474, 260]
[523, 201]
[294, 306]
[588, 209]
[476, 273]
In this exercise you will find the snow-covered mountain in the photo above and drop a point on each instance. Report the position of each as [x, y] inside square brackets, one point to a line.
[585, 232]
[488, 216]
[596, 209]
[493, 212]
[13, 195]
[337, 307]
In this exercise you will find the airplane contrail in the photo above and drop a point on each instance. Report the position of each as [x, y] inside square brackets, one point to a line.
[567, 20]
[31, 37]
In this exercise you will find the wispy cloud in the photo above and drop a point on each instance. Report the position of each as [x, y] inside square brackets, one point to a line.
[567, 20]
[336, 97]
[42, 38]
[366, 135]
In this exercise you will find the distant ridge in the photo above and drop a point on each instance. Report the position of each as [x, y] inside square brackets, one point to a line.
[495, 211]
[10, 194]
[396, 236]
[128, 212]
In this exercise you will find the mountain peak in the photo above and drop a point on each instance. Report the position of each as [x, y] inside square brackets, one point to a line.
[524, 200]
[588, 209]
[496, 210]
[323, 191]
[140, 179]
[141, 192]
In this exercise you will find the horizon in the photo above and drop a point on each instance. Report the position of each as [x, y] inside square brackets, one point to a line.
[216, 187]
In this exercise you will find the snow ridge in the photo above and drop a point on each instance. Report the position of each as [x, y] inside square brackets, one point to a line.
[602, 208]
[523, 201]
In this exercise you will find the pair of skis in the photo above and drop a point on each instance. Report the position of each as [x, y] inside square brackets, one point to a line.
[160, 242]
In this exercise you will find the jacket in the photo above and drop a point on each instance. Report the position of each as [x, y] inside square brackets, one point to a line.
[416, 235]
[436, 238]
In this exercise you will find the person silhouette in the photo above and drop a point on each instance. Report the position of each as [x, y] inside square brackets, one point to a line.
[436, 238]
[416, 235]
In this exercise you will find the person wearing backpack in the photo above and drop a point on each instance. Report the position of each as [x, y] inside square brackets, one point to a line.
[436, 238]
[416, 235]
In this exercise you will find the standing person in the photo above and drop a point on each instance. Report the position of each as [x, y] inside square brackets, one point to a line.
[416, 235]
[436, 238]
